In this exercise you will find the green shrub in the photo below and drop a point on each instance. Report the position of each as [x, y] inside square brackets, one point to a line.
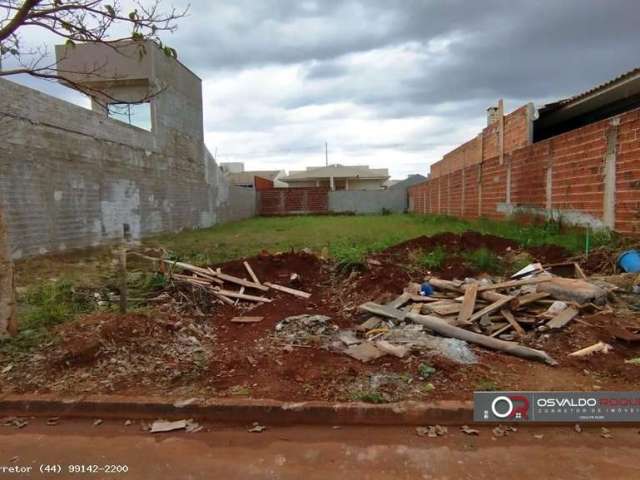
[43, 306]
[433, 259]
[484, 260]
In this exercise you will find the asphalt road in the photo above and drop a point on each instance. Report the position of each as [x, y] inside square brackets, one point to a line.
[315, 453]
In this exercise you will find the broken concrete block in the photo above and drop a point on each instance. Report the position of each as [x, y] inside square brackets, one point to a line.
[391, 349]
[365, 352]
[573, 290]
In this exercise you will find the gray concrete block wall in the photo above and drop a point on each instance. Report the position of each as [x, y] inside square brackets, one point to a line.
[368, 201]
[70, 178]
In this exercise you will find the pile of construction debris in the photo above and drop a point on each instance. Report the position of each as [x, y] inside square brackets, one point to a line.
[500, 316]
[213, 285]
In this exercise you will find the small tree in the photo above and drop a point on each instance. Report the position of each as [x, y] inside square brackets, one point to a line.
[77, 21]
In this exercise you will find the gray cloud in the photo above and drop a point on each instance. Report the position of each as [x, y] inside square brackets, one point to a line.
[375, 76]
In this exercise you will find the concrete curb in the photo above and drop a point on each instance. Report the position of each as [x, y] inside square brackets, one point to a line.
[241, 411]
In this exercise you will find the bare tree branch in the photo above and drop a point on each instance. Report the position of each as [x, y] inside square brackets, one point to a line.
[78, 21]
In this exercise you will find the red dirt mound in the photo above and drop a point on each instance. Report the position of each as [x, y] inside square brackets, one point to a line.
[452, 242]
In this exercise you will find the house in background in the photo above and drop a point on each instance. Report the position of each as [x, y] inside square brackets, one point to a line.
[256, 179]
[339, 177]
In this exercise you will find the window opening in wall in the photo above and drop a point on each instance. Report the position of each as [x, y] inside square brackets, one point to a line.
[136, 114]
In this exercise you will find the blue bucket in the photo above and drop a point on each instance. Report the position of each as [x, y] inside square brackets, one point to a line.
[629, 261]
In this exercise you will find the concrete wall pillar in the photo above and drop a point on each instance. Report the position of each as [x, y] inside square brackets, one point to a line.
[508, 180]
[609, 173]
[8, 317]
[480, 190]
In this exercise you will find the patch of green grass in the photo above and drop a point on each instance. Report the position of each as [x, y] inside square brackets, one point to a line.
[484, 260]
[433, 259]
[349, 238]
[368, 397]
[487, 385]
[43, 306]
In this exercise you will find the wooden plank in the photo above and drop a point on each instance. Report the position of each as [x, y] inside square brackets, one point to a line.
[383, 311]
[370, 324]
[444, 308]
[416, 308]
[508, 326]
[290, 291]
[251, 273]
[240, 281]
[442, 328]
[564, 317]
[491, 308]
[399, 301]
[423, 299]
[243, 296]
[513, 322]
[247, 319]
[523, 300]
[513, 283]
[579, 272]
[468, 303]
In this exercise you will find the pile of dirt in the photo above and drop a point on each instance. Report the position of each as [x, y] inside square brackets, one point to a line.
[451, 242]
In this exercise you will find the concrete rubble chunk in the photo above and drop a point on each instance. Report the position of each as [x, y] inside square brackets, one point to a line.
[574, 290]
[365, 352]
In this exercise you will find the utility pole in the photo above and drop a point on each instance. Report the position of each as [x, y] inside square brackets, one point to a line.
[326, 154]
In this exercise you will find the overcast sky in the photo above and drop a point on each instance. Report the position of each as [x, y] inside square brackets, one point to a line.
[387, 83]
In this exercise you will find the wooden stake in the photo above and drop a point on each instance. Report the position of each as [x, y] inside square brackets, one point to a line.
[243, 296]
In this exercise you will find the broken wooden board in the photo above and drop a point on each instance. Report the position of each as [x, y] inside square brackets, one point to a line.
[444, 307]
[441, 327]
[243, 296]
[498, 304]
[240, 281]
[399, 301]
[247, 319]
[383, 310]
[513, 322]
[560, 320]
[290, 291]
[596, 347]
[251, 273]
[523, 300]
[370, 324]
[468, 303]
[514, 283]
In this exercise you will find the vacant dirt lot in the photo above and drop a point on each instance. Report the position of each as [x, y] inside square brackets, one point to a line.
[171, 347]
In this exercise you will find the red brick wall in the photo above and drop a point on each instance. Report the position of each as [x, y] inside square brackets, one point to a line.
[262, 183]
[577, 160]
[289, 201]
